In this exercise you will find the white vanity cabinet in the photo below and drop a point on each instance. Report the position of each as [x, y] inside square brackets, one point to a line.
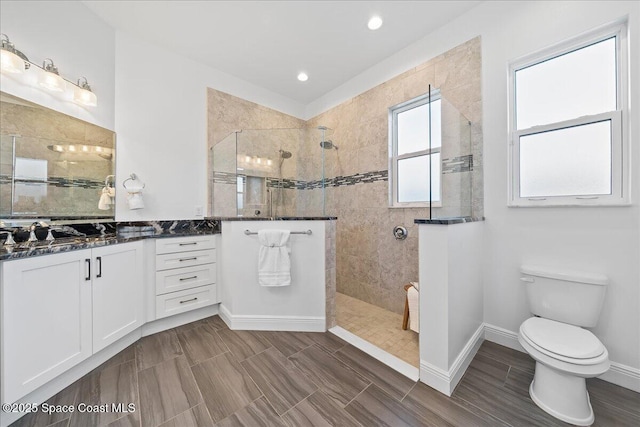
[59, 309]
[185, 274]
[118, 303]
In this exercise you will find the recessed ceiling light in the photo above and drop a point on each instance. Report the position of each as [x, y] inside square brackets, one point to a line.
[303, 77]
[374, 23]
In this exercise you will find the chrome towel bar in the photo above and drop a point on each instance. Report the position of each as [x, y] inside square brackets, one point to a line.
[308, 232]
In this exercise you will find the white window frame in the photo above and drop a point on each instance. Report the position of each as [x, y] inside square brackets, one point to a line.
[393, 151]
[619, 118]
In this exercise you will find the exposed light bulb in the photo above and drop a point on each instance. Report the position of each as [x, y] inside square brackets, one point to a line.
[303, 77]
[374, 23]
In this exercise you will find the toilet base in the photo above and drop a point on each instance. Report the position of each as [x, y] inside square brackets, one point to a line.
[562, 396]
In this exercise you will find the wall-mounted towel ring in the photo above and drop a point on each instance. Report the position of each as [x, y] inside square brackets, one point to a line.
[132, 177]
[134, 190]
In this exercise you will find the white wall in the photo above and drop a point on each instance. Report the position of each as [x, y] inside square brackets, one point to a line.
[246, 305]
[161, 124]
[78, 42]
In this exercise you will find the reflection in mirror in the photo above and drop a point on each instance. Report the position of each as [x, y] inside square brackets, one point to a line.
[53, 165]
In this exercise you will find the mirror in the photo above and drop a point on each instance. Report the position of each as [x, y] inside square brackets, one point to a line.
[53, 165]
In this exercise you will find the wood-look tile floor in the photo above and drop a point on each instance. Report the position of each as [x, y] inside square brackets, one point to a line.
[203, 375]
[378, 326]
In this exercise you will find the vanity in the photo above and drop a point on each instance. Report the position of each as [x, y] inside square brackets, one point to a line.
[67, 308]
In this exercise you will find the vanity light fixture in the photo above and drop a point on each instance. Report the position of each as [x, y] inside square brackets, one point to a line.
[375, 22]
[12, 61]
[51, 79]
[303, 77]
[82, 93]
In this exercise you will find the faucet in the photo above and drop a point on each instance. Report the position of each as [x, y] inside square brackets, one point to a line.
[32, 231]
[9, 241]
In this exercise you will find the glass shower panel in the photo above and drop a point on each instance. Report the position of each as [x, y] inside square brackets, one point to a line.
[268, 173]
[227, 187]
[456, 163]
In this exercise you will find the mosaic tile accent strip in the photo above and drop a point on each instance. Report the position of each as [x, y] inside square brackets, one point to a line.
[56, 182]
[457, 164]
[296, 184]
[224, 178]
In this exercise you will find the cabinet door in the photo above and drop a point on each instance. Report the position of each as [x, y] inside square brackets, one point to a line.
[46, 319]
[117, 292]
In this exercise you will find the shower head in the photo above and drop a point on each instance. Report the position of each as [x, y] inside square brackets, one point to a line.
[328, 144]
[285, 154]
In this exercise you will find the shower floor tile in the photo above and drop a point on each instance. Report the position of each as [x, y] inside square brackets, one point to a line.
[380, 327]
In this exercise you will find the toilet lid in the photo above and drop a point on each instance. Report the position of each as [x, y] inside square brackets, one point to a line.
[562, 339]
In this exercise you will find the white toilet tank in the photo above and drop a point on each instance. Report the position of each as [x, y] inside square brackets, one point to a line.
[566, 296]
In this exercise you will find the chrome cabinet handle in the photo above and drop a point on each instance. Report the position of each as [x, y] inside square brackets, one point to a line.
[188, 300]
[88, 269]
[188, 278]
[187, 244]
[188, 259]
[99, 261]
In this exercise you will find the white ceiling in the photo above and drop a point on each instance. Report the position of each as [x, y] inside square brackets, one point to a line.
[268, 43]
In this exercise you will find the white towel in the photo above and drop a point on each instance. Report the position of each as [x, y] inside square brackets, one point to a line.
[274, 265]
[414, 308]
[134, 200]
[105, 201]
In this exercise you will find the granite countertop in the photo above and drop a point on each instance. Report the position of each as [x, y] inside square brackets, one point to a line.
[277, 218]
[93, 235]
[448, 221]
[124, 232]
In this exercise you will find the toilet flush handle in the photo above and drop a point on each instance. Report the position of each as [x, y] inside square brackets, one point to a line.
[527, 279]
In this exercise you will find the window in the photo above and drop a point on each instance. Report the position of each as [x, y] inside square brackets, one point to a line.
[567, 142]
[414, 157]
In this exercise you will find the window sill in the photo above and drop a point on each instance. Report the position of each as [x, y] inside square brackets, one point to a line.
[569, 203]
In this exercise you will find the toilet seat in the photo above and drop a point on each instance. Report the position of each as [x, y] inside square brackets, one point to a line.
[563, 342]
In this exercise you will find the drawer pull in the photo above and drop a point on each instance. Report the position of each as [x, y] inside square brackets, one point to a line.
[188, 259]
[187, 244]
[188, 278]
[188, 300]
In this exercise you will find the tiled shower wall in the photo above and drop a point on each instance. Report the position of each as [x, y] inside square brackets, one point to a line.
[227, 114]
[371, 264]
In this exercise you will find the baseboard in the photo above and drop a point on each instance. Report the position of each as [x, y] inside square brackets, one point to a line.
[619, 374]
[446, 381]
[273, 323]
[377, 353]
[502, 336]
[180, 319]
[623, 375]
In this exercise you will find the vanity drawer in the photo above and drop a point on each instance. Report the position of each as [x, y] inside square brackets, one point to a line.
[181, 244]
[185, 278]
[185, 259]
[181, 301]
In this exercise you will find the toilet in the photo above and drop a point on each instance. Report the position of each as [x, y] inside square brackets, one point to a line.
[563, 303]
